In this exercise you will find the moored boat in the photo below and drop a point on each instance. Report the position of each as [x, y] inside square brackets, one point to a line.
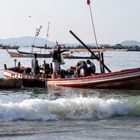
[31, 54]
[14, 53]
[41, 55]
[26, 54]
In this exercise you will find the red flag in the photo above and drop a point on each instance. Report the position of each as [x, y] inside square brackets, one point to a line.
[88, 2]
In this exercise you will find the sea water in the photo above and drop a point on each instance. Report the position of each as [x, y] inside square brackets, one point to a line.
[71, 113]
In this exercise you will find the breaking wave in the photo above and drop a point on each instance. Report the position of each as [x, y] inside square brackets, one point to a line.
[63, 108]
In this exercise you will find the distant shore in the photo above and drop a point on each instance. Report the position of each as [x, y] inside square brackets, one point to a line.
[80, 48]
[99, 50]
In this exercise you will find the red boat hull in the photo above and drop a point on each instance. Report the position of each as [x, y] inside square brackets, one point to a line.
[125, 79]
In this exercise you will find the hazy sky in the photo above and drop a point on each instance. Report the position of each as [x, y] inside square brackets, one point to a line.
[115, 20]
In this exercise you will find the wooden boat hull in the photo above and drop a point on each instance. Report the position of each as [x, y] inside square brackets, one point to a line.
[40, 55]
[128, 79]
[26, 54]
[14, 54]
[10, 83]
[19, 83]
[125, 79]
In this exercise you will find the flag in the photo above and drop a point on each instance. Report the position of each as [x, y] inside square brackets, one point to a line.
[88, 2]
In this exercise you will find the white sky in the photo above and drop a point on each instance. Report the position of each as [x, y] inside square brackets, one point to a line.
[115, 20]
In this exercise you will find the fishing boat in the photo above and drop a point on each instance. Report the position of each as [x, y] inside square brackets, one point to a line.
[49, 55]
[14, 53]
[8, 47]
[18, 53]
[31, 54]
[124, 79]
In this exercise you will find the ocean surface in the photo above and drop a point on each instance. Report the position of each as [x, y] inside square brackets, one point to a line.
[71, 113]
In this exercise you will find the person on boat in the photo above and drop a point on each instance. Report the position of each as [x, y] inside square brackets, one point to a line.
[45, 69]
[34, 65]
[69, 73]
[55, 75]
[81, 65]
[90, 67]
[57, 58]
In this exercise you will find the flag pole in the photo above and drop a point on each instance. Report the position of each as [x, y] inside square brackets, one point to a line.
[93, 26]
[33, 43]
[92, 21]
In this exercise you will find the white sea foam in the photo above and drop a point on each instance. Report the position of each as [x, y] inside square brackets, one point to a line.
[74, 108]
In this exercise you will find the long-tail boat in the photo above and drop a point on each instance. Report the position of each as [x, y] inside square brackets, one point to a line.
[124, 79]
[18, 53]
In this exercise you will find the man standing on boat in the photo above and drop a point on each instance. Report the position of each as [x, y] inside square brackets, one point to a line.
[35, 66]
[57, 57]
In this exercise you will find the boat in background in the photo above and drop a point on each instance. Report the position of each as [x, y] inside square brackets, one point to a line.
[14, 53]
[18, 53]
[8, 47]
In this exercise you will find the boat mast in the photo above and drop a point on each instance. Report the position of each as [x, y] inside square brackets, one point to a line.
[92, 21]
[95, 37]
[47, 35]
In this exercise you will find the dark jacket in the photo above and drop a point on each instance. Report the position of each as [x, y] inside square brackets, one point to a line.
[56, 55]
